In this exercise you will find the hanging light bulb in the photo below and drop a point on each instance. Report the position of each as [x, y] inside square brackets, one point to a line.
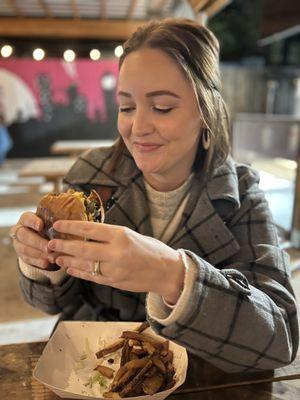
[6, 51]
[38, 54]
[118, 51]
[69, 55]
[108, 82]
[95, 54]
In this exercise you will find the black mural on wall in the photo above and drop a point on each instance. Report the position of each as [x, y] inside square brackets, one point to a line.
[69, 121]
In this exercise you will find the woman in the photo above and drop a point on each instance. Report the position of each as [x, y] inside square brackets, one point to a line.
[184, 223]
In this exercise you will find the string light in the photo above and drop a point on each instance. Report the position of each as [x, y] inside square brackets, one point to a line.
[118, 51]
[95, 54]
[38, 54]
[69, 55]
[6, 51]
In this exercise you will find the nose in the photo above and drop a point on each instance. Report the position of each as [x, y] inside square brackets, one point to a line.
[142, 123]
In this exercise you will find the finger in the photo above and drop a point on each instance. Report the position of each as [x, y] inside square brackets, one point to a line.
[78, 273]
[32, 239]
[83, 264]
[87, 229]
[31, 220]
[23, 249]
[52, 256]
[82, 249]
[36, 262]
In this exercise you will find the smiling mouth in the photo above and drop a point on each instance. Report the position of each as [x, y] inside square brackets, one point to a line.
[146, 147]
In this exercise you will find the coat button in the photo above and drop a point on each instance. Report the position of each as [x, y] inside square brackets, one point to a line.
[110, 202]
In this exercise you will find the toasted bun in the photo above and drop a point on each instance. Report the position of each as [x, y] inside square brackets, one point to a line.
[68, 206]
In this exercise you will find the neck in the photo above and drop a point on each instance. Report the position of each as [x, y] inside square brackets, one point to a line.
[165, 183]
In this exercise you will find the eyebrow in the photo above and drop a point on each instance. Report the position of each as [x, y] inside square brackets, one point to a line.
[153, 94]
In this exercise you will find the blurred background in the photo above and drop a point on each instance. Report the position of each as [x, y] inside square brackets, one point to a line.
[58, 74]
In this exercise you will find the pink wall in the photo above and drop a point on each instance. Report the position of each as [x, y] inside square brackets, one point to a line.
[84, 73]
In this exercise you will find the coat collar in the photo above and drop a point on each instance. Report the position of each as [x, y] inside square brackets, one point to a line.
[93, 168]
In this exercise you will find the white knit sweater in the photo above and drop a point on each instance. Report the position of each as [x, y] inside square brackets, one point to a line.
[166, 209]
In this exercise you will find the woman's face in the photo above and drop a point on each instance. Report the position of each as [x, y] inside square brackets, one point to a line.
[159, 119]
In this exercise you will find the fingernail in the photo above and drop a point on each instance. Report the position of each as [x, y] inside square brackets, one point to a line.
[51, 245]
[56, 225]
[60, 262]
[51, 259]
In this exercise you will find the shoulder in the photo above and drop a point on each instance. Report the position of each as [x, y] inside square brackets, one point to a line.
[232, 179]
[88, 163]
[94, 167]
[97, 155]
[231, 183]
[248, 179]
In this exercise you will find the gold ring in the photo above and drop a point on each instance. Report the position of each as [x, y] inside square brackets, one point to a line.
[13, 235]
[96, 270]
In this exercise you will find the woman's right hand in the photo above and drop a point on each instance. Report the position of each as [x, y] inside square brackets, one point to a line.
[28, 243]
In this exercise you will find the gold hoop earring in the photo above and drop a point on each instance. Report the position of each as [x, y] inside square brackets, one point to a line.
[206, 139]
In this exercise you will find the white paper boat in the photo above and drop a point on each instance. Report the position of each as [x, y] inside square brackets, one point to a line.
[69, 358]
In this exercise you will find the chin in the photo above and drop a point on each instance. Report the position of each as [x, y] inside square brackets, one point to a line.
[147, 168]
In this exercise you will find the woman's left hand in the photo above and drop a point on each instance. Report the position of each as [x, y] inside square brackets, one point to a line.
[128, 260]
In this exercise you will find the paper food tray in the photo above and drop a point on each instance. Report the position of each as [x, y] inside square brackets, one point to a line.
[69, 358]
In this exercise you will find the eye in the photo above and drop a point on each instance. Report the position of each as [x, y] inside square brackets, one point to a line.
[162, 110]
[125, 109]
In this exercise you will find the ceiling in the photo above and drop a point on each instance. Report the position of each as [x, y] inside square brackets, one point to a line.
[98, 19]
[279, 16]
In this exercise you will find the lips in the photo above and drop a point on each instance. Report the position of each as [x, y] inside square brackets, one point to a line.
[146, 147]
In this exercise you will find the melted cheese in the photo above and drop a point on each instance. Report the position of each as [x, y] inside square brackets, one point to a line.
[81, 197]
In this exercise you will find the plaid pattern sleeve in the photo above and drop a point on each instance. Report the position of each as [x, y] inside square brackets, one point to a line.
[242, 313]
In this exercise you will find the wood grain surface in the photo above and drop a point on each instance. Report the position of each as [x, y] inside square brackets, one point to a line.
[203, 381]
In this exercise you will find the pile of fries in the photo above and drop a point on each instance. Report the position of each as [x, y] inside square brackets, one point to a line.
[146, 365]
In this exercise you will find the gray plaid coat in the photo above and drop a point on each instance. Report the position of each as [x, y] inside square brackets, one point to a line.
[242, 312]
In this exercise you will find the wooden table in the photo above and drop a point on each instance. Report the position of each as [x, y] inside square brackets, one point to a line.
[204, 382]
[76, 147]
[51, 169]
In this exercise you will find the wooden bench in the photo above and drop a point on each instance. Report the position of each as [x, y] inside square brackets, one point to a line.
[76, 147]
[51, 169]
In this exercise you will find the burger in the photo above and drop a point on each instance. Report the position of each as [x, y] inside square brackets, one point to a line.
[70, 205]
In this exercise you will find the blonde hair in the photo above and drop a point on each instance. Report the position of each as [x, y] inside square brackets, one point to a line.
[196, 50]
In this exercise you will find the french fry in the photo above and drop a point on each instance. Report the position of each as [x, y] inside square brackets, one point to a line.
[110, 349]
[136, 381]
[142, 338]
[168, 358]
[111, 395]
[105, 371]
[146, 365]
[152, 384]
[139, 352]
[165, 348]
[144, 325]
[128, 371]
[119, 343]
[148, 348]
[133, 343]
[125, 355]
[159, 364]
